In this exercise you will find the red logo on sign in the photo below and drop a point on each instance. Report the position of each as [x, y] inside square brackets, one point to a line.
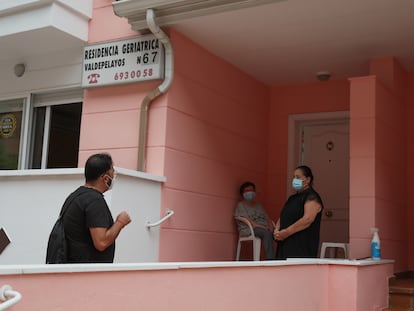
[93, 78]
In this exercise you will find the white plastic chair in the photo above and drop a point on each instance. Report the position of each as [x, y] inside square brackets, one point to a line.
[326, 245]
[257, 242]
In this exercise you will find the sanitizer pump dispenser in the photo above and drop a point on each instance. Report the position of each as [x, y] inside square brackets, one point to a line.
[375, 245]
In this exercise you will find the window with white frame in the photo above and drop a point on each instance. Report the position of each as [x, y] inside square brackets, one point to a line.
[41, 131]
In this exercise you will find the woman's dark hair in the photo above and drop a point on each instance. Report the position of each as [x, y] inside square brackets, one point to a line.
[307, 172]
[96, 165]
[245, 185]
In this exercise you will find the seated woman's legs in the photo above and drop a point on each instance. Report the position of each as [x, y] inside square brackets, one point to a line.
[267, 240]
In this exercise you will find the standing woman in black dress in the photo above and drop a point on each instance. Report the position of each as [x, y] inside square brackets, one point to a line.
[297, 230]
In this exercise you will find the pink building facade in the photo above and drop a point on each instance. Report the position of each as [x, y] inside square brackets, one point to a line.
[216, 127]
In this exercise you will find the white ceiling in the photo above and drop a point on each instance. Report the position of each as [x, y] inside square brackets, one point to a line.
[289, 41]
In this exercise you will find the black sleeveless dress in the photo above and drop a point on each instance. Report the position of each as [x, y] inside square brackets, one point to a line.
[305, 243]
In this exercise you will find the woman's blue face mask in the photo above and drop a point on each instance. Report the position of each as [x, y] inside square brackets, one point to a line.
[249, 195]
[297, 184]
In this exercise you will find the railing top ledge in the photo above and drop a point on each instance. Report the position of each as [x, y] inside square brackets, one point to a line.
[78, 171]
[70, 268]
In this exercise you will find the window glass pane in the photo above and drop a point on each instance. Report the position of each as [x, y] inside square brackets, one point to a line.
[39, 125]
[11, 113]
[64, 136]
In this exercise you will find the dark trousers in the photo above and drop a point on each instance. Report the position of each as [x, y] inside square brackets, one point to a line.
[267, 240]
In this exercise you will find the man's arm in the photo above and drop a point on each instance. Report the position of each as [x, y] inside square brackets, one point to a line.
[104, 237]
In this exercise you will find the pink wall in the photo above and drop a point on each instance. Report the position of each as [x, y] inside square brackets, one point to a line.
[326, 96]
[377, 163]
[409, 171]
[206, 136]
[105, 25]
[362, 165]
[110, 116]
[215, 139]
[320, 287]
[110, 123]
[217, 127]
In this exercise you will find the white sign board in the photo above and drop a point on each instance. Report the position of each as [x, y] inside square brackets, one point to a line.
[126, 61]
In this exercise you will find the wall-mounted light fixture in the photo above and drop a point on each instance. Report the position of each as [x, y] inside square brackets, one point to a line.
[173, 11]
[19, 69]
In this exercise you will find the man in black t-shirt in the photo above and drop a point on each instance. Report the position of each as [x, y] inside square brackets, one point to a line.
[89, 227]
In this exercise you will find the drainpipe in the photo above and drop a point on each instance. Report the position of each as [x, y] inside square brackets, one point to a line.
[161, 89]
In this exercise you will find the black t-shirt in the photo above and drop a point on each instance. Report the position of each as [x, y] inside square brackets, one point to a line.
[305, 243]
[87, 210]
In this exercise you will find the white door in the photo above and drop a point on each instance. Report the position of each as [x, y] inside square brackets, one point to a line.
[325, 149]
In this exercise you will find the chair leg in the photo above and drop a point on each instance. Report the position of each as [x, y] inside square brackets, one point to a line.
[333, 246]
[323, 251]
[256, 249]
[238, 251]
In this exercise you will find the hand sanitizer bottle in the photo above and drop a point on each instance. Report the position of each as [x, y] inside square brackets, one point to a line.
[375, 245]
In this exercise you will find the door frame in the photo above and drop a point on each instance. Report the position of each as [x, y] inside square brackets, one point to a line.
[295, 123]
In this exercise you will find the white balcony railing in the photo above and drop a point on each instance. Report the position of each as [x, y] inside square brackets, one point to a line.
[168, 214]
[31, 201]
[9, 296]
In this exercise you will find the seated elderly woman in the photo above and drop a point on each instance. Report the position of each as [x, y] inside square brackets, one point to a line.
[253, 211]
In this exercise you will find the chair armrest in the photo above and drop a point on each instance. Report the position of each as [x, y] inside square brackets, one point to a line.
[247, 222]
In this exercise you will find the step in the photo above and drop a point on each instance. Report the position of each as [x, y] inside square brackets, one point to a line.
[404, 301]
[401, 294]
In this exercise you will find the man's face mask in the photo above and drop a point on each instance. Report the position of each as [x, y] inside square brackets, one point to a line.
[110, 182]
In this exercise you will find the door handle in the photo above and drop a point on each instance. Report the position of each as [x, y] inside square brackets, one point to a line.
[328, 214]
